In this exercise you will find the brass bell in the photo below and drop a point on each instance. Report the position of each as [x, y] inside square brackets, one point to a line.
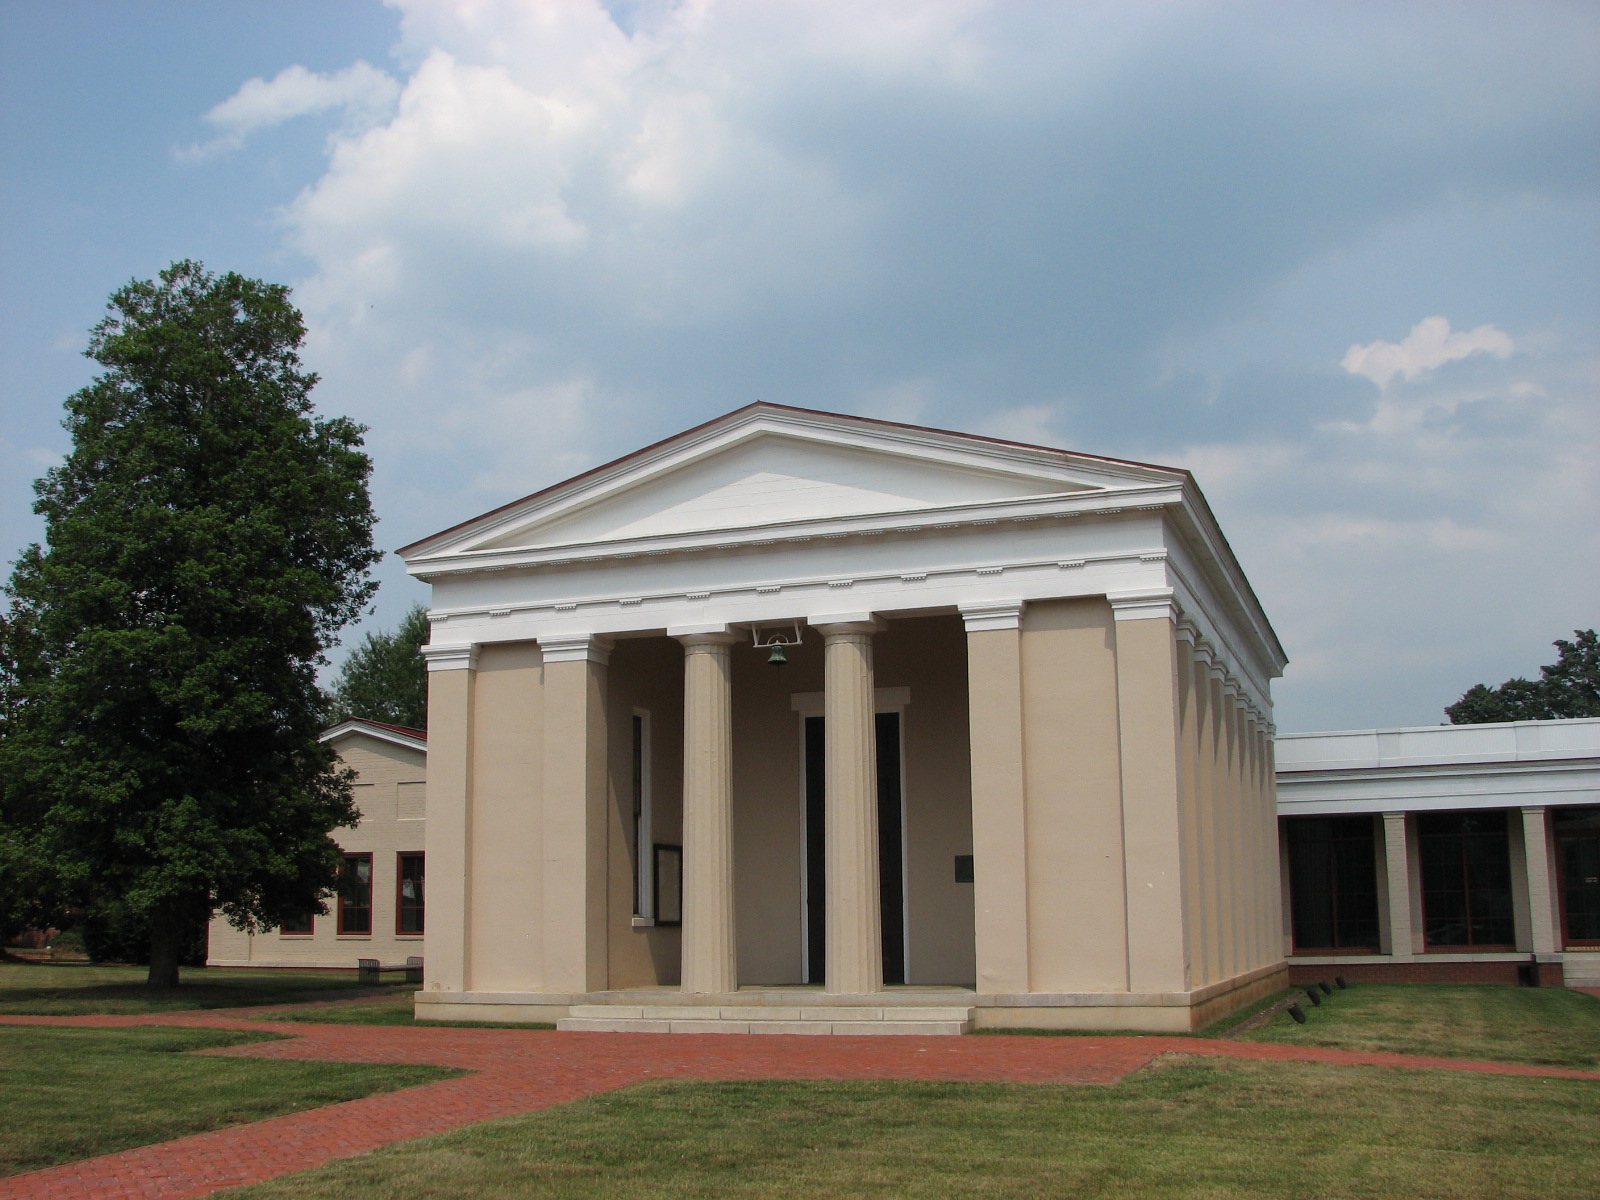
[777, 658]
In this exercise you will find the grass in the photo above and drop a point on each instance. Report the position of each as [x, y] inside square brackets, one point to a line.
[73, 1093]
[1545, 1026]
[81, 989]
[1184, 1128]
[394, 1010]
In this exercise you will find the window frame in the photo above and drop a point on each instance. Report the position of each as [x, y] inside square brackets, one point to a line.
[1469, 946]
[400, 906]
[1559, 837]
[344, 907]
[309, 931]
[1335, 843]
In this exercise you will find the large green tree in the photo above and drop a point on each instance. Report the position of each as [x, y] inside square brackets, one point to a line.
[205, 539]
[1568, 687]
[384, 678]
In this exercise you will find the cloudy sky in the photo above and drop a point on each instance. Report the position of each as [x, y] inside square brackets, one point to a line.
[1338, 259]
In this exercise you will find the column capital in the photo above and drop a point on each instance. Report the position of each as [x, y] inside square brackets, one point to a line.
[576, 647]
[832, 625]
[454, 656]
[1146, 605]
[1188, 633]
[983, 615]
[694, 637]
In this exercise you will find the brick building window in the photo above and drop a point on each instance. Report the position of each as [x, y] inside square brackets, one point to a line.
[300, 924]
[408, 907]
[1333, 884]
[1466, 881]
[1577, 833]
[355, 894]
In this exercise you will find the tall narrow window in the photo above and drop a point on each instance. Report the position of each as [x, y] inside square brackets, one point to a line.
[1466, 880]
[408, 906]
[643, 859]
[355, 894]
[1577, 833]
[1333, 884]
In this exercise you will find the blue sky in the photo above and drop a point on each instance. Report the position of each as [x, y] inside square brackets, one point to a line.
[1339, 259]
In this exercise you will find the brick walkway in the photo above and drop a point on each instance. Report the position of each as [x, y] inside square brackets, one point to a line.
[519, 1071]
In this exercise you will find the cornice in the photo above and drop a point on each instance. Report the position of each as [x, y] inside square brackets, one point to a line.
[1060, 506]
[832, 582]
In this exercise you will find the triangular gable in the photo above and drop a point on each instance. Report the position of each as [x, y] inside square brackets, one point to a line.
[768, 464]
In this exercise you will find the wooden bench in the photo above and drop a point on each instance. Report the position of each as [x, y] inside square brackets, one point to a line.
[368, 969]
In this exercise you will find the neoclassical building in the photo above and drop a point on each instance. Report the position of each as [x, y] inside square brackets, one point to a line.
[806, 722]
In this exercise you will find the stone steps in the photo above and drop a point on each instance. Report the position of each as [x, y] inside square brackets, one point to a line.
[766, 1018]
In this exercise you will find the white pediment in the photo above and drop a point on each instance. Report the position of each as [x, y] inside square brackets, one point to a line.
[768, 479]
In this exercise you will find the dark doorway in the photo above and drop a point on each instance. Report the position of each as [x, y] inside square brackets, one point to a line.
[891, 845]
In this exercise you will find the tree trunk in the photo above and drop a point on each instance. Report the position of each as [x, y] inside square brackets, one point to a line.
[166, 932]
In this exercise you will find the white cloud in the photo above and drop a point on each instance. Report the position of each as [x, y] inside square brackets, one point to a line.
[568, 236]
[364, 95]
[1430, 344]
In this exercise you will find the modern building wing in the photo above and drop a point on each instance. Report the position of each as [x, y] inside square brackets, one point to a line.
[1451, 852]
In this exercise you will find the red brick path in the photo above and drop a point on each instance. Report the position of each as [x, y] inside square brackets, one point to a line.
[518, 1071]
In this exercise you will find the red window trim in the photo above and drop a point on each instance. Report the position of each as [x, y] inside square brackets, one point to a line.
[367, 932]
[1567, 942]
[399, 898]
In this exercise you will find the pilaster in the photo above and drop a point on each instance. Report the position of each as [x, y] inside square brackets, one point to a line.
[574, 812]
[448, 840]
[999, 796]
[1152, 823]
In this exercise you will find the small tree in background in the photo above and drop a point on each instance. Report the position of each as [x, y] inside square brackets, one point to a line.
[1569, 687]
[206, 538]
[384, 679]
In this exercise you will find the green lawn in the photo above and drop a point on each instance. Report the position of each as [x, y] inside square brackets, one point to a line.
[72, 1093]
[1184, 1128]
[79, 989]
[1549, 1026]
[395, 1010]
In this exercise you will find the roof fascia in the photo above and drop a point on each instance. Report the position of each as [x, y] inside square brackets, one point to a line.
[348, 728]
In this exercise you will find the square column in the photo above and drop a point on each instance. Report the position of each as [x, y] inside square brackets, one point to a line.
[999, 796]
[1152, 822]
[1402, 935]
[574, 812]
[854, 930]
[449, 833]
[1541, 890]
[710, 952]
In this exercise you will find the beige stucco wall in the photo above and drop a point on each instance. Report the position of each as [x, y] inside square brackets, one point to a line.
[1076, 900]
[384, 773]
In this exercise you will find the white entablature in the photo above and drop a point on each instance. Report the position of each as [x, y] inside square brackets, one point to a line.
[774, 513]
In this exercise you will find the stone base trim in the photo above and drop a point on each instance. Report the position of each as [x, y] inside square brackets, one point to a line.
[951, 1009]
[1522, 969]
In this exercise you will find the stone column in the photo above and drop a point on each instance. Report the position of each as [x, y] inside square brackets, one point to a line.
[1541, 890]
[1397, 871]
[449, 833]
[573, 815]
[1152, 825]
[710, 952]
[854, 929]
[999, 796]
